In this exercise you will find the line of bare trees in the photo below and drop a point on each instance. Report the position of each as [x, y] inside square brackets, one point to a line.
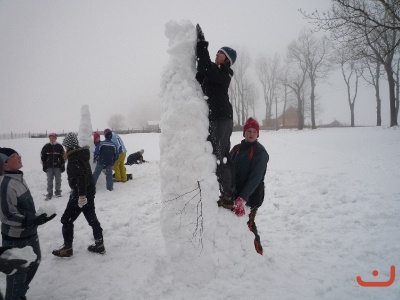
[363, 42]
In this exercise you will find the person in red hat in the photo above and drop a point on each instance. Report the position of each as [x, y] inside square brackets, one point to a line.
[250, 160]
[52, 156]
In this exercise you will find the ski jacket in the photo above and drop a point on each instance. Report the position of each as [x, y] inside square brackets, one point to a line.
[214, 81]
[118, 141]
[106, 153]
[52, 156]
[16, 206]
[79, 173]
[250, 161]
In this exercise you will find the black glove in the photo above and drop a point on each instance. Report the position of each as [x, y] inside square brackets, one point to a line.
[200, 34]
[39, 220]
[44, 168]
[62, 168]
[7, 266]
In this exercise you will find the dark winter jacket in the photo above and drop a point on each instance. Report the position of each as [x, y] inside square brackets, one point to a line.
[52, 156]
[250, 160]
[106, 153]
[214, 81]
[16, 206]
[135, 158]
[79, 173]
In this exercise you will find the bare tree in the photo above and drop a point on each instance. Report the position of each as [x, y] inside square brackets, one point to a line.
[372, 26]
[373, 78]
[238, 85]
[116, 122]
[267, 69]
[297, 77]
[351, 72]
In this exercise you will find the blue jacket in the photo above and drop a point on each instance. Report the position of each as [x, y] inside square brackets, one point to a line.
[250, 160]
[16, 206]
[118, 141]
[106, 153]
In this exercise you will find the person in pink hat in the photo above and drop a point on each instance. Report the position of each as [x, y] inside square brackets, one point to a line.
[250, 160]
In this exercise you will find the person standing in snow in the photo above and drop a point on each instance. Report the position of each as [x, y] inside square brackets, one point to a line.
[52, 156]
[119, 168]
[215, 79]
[105, 154]
[250, 160]
[96, 138]
[19, 221]
[135, 158]
[81, 199]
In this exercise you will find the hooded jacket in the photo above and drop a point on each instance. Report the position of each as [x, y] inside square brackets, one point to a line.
[214, 81]
[79, 173]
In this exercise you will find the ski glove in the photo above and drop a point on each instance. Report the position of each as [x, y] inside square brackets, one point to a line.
[82, 200]
[11, 266]
[200, 34]
[238, 208]
[39, 220]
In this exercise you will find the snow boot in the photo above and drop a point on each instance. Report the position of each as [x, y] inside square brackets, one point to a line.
[64, 251]
[226, 201]
[98, 247]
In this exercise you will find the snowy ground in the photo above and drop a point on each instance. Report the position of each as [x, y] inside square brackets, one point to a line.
[331, 213]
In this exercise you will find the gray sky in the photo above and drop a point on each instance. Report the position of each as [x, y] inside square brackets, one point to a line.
[56, 56]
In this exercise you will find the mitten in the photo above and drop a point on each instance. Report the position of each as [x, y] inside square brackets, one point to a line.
[11, 266]
[82, 200]
[238, 208]
[200, 34]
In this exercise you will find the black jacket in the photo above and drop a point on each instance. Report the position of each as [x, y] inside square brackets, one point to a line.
[214, 81]
[79, 173]
[52, 156]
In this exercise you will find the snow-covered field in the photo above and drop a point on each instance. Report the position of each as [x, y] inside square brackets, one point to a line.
[331, 213]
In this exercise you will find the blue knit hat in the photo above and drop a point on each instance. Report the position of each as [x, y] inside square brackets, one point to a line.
[230, 54]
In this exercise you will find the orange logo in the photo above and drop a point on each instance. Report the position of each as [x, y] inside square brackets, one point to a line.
[378, 283]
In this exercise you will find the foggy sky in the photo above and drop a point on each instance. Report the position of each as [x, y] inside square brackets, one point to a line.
[59, 55]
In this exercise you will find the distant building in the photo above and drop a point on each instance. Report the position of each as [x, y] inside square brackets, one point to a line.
[153, 126]
[291, 120]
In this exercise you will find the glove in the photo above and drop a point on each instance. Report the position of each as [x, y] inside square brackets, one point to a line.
[200, 34]
[82, 200]
[43, 218]
[62, 168]
[44, 168]
[238, 208]
[39, 220]
[11, 266]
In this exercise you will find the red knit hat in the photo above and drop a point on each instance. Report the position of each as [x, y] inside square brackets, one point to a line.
[251, 123]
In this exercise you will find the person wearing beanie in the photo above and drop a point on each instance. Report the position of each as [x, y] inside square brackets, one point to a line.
[52, 157]
[250, 160]
[96, 138]
[214, 79]
[135, 158]
[81, 199]
[119, 168]
[105, 154]
[19, 221]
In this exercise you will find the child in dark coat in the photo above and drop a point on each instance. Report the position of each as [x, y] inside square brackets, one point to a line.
[81, 199]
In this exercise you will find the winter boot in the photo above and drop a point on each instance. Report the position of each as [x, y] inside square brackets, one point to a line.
[64, 251]
[98, 247]
[226, 201]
